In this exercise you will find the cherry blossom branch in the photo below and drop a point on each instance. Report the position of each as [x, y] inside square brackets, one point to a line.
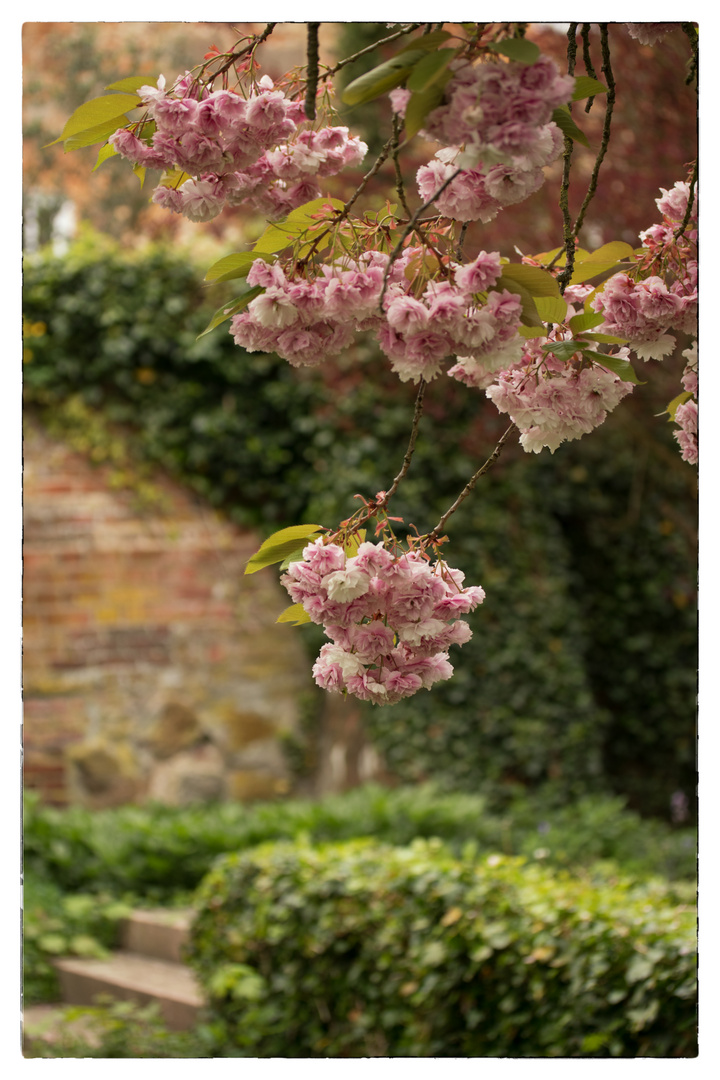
[399, 184]
[311, 83]
[368, 49]
[609, 106]
[435, 534]
[691, 199]
[233, 56]
[411, 444]
[568, 234]
[395, 253]
[587, 61]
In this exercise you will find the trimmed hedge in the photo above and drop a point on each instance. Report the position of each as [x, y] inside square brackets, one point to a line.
[364, 950]
[158, 851]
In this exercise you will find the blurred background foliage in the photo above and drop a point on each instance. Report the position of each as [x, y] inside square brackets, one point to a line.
[581, 672]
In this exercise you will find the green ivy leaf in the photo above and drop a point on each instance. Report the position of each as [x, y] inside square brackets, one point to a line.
[567, 125]
[383, 78]
[621, 367]
[281, 544]
[295, 614]
[586, 87]
[232, 308]
[520, 49]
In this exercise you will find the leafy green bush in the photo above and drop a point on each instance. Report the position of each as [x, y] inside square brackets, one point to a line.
[161, 853]
[58, 924]
[363, 950]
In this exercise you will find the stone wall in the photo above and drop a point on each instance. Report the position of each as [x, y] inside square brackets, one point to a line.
[153, 669]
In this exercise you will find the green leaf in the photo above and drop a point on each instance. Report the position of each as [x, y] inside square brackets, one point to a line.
[586, 87]
[676, 401]
[281, 544]
[383, 78]
[551, 308]
[567, 125]
[232, 308]
[93, 135]
[140, 171]
[532, 331]
[605, 339]
[599, 261]
[420, 104]
[621, 367]
[295, 614]
[282, 233]
[562, 349]
[174, 178]
[529, 314]
[133, 83]
[233, 266]
[294, 556]
[427, 41]
[104, 153]
[520, 49]
[586, 321]
[352, 544]
[429, 69]
[538, 282]
[98, 111]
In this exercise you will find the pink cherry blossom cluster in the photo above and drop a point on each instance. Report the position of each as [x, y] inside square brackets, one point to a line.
[552, 401]
[643, 311]
[497, 129]
[235, 149]
[686, 415]
[390, 618]
[647, 33]
[308, 321]
[478, 194]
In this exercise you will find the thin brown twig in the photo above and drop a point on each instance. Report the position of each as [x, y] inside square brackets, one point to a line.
[411, 444]
[435, 533]
[369, 48]
[691, 199]
[609, 106]
[587, 61]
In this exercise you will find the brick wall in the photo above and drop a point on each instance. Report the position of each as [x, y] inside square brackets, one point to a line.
[152, 667]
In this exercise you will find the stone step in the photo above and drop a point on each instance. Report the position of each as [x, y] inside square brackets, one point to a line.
[161, 933]
[133, 977]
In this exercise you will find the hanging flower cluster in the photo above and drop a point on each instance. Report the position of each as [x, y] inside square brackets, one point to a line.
[306, 321]
[390, 618]
[686, 414]
[552, 402]
[235, 149]
[647, 33]
[644, 310]
[496, 127]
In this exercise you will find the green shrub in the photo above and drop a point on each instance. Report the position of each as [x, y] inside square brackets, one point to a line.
[363, 950]
[59, 924]
[161, 853]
